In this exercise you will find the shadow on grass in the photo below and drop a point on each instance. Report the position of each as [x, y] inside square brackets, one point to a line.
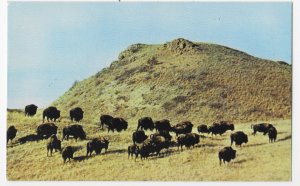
[285, 138]
[117, 151]
[240, 161]
[255, 145]
[81, 158]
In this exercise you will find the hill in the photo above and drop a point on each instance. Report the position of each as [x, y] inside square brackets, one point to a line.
[182, 80]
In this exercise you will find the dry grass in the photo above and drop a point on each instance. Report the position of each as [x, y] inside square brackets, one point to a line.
[256, 161]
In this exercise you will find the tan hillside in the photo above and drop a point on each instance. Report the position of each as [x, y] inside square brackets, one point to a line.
[185, 80]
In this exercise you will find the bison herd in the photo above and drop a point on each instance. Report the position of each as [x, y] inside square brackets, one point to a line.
[142, 145]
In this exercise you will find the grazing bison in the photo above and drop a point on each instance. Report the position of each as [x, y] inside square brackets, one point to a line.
[53, 143]
[118, 124]
[272, 133]
[74, 130]
[11, 133]
[51, 113]
[202, 129]
[145, 149]
[220, 128]
[188, 140]
[262, 127]
[162, 125]
[158, 143]
[226, 126]
[30, 137]
[133, 149]
[96, 145]
[30, 110]
[182, 128]
[139, 136]
[163, 133]
[67, 153]
[45, 130]
[76, 114]
[105, 120]
[238, 137]
[226, 154]
[145, 123]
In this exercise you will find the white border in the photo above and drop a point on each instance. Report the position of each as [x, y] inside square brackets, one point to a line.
[295, 105]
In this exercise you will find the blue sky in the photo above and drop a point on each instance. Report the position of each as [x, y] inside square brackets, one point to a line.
[50, 45]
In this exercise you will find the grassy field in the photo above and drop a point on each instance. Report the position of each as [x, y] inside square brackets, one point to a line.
[258, 160]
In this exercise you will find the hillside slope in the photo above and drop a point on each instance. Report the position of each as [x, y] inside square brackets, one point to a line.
[182, 80]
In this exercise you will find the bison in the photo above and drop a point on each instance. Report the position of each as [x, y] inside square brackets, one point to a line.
[163, 133]
[162, 125]
[139, 136]
[51, 113]
[133, 149]
[76, 114]
[272, 133]
[226, 154]
[117, 124]
[30, 110]
[182, 128]
[188, 140]
[74, 130]
[220, 128]
[96, 145]
[67, 153]
[238, 137]
[202, 128]
[53, 143]
[262, 127]
[105, 120]
[145, 123]
[45, 130]
[11, 133]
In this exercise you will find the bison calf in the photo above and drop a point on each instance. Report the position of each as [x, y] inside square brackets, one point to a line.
[226, 154]
[67, 153]
[11, 133]
[133, 149]
[53, 143]
[272, 133]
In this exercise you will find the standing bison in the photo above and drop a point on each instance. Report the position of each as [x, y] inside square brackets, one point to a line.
[76, 114]
[11, 133]
[162, 125]
[182, 128]
[188, 140]
[262, 127]
[73, 130]
[53, 143]
[226, 154]
[118, 124]
[45, 130]
[145, 123]
[272, 133]
[202, 129]
[96, 145]
[51, 113]
[30, 110]
[105, 120]
[220, 128]
[238, 137]
[67, 153]
[139, 136]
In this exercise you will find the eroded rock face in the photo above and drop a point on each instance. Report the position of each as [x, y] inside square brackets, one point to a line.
[181, 46]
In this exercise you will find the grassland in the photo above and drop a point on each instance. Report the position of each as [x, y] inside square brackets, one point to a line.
[256, 161]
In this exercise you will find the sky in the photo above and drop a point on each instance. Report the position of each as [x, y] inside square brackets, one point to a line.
[51, 45]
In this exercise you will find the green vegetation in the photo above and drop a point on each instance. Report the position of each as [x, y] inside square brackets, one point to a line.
[179, 80]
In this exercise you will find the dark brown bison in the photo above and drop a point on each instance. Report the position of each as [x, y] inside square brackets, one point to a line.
[226, 154]
[96, 145]
[11, 133]
[202, 128]
[239, 137]
[139, 136]
[30, 137]
[220, 128]
[262, 127]
[118, 124]
[145, 123]
[158, 143]
[182, 128]
[67, 153]
[51, 113]
[45, 130]
[272, 133]
[163, 133]
[162, 125]
[188, 140]
[74, 130]
[133, 150]
[105, 120]
[30, 110]
[53, 143]
[76, 114]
